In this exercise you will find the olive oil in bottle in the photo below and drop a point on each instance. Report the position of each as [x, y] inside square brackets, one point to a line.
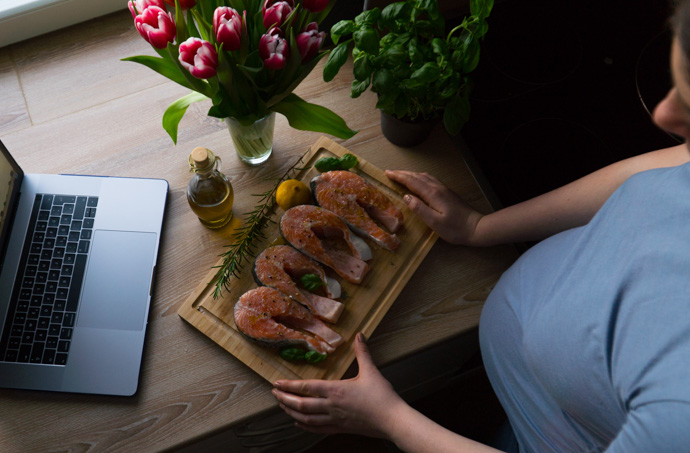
[209, 192]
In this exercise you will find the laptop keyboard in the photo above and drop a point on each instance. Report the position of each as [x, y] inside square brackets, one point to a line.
[41, 319]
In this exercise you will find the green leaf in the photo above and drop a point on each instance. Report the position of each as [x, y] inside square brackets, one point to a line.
[311, 117]
[481, 8]
[362, 68]
[174, 113]
[182, 32]
[311, 282]
[342, 28]
[292, 354]
[427, 74]
[382, 81]
[327, 164]
[440, 47]
[368, 17]
[367, 39]
[314, 357]
[336, 60]
[471, 59]
[395, 55]
[163, 67]
[358, 87]
[415, 51]
[348, 161]
[393, 13]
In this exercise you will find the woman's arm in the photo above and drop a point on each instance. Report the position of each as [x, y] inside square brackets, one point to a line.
[566, 207]
[367, 405]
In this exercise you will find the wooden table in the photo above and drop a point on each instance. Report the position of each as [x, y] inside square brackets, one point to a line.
[70, 105]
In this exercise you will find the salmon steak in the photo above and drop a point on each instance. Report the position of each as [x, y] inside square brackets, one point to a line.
[360, 205]
[279, 266]
[326, 238]
[271, 318]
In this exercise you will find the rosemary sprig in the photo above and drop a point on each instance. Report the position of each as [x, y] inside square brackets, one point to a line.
[244, 240]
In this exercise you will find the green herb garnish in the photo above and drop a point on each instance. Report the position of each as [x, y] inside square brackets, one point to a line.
[311, 282]
[299, 354]
[244, 240]
[333, 163]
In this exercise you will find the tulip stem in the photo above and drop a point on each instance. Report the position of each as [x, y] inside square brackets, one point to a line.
[254, 141]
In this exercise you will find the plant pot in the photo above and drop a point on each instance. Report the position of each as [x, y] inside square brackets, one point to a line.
[405, 132]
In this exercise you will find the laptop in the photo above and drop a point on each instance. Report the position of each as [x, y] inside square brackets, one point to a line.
[77, 264]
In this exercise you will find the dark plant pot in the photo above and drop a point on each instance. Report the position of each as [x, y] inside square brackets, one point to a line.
[404, 132]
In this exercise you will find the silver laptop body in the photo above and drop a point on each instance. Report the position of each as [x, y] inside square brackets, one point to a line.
[98, 348]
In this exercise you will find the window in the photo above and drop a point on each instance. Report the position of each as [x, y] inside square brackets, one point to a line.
[23, 19]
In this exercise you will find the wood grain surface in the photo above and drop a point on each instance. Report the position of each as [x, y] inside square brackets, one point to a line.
[70, 105]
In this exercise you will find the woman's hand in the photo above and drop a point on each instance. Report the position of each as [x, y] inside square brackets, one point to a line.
[365, 405]
[439, 207]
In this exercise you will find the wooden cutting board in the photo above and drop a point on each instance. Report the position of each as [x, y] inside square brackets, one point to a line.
[365, 304]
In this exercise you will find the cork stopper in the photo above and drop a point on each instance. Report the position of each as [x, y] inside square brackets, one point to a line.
[199, 156]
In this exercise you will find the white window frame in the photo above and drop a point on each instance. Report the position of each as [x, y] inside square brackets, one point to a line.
[24, 19]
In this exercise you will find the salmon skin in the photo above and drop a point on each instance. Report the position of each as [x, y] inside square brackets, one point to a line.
[325, 237]
[277, 266]
[360, 205]
[271, 318]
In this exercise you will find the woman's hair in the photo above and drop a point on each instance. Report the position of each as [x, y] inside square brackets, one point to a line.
[681, 27]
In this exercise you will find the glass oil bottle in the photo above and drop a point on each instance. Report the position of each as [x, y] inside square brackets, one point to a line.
[209, 192]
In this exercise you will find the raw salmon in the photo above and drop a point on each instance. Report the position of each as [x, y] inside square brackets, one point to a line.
[277, 267]
[325, 237]
[273, 319]
[360, 204]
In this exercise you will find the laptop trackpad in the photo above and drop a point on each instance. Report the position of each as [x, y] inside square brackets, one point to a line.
[117, 280]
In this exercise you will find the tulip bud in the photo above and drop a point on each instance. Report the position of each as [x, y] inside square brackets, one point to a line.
[156, 26]
[276, 13]
[268, 3]
[273, 49]
[309, 41]
[199, 58]
[184, 4]
[227, 27]
[137, 7]
[315, 6]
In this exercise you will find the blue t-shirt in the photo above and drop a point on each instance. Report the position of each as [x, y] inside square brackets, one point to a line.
[586, 338]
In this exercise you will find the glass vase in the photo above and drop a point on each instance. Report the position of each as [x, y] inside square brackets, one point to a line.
[253, 143]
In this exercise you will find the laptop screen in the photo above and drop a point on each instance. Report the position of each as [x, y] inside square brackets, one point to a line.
[10, 182]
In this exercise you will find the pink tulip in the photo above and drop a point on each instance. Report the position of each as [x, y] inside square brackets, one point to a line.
[315, 6]
[184, 4]
[227, 27]
[156, 26]
[309, 41]
[275, 13]
[273, 49]
[269, 3]
[137, 7]
[199, 58]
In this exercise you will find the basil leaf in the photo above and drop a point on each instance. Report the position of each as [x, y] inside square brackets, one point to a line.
[358, 87]
[368, 17]
[367, 39]
[362, 68]
[333, 163]
[314, 357]
[348, 161]
[336, 59]
[311, 282]
[292, 354]
[327, 164]
[342, 28]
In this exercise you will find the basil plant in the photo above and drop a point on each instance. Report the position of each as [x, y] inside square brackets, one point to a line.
[403, 54]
